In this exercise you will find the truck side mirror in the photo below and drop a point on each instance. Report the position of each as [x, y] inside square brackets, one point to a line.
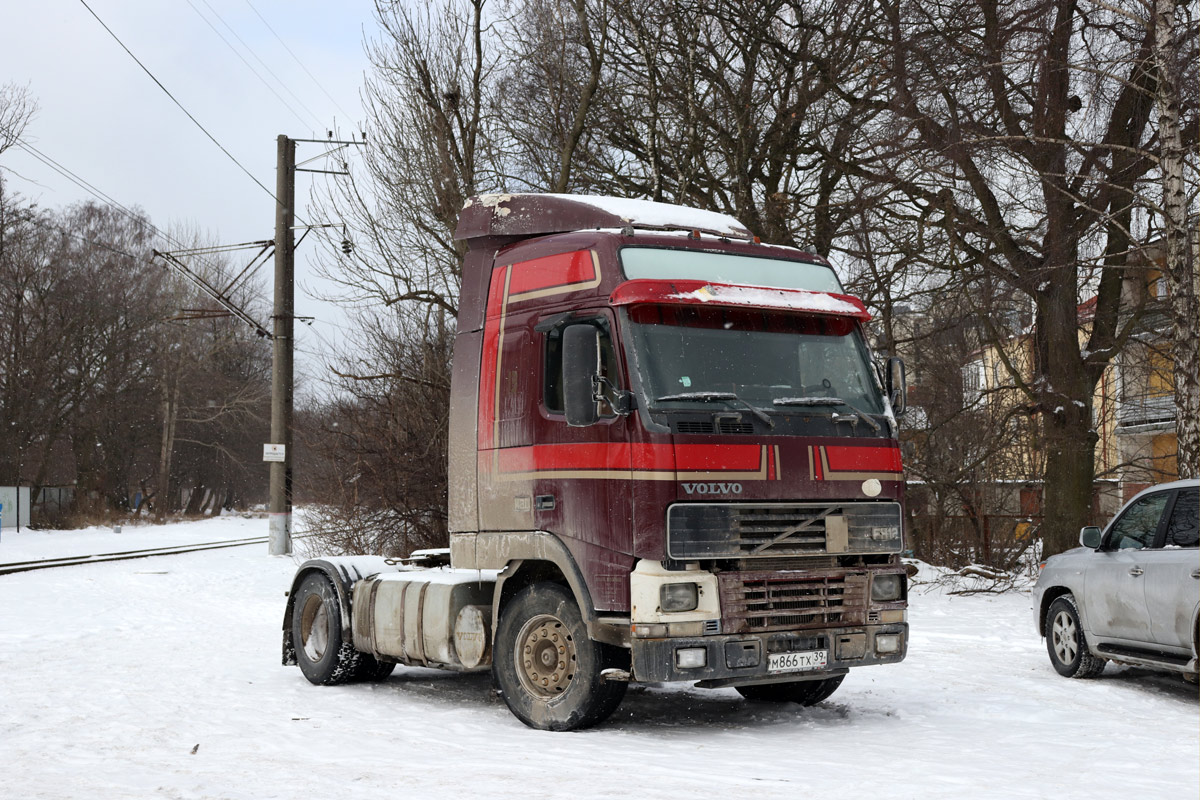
[581, 369]
[897, 385]
[1089, 537]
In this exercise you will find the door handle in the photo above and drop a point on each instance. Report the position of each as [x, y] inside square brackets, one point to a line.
[1196, 573]
[1136, 571]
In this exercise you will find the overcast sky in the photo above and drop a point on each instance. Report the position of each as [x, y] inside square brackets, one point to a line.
[103, 118]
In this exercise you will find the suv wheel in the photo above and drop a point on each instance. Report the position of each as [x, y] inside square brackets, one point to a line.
[1065, 642]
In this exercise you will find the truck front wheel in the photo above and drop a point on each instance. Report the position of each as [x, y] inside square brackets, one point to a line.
[546, 666]
[324, 658]
[806, 693]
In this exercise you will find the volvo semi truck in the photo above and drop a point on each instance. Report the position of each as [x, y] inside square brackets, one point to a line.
[672, 457]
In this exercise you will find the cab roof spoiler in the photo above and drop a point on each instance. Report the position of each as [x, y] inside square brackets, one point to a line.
[519, 216]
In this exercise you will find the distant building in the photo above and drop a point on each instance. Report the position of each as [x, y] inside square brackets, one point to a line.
[976, 483]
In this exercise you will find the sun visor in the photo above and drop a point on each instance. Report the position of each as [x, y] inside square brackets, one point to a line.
[718, 294]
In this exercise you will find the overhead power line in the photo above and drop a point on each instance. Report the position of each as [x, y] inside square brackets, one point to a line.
[217, 294]
[264, 64]
[250, 66]
[166, 91]
[221, 295]
[87, 187]
[108, 200]
[349, 118]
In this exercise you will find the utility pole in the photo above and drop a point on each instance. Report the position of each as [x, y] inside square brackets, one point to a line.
[280, 538]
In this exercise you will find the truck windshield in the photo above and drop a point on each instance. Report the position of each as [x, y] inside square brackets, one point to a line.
[663, 264]
[689, 356]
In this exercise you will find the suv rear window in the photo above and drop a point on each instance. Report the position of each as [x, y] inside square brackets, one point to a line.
[1184, 528]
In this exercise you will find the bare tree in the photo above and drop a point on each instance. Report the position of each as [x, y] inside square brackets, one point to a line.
[36, 390]
[213, 392]
[430, 137]
[87, 350]
[17, 109]
[1175, 55]
[987, 140]
[114, 309]
[735, 106]
[553, 55]
[377, 464]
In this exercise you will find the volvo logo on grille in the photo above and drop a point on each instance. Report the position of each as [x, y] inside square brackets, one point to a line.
[712, 488]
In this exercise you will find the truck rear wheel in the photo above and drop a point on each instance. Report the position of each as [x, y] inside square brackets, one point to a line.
[806, 693]
[323, 656]
[371, 669]
[546, 666]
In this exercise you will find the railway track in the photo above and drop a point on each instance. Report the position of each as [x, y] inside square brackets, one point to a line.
[126, 555]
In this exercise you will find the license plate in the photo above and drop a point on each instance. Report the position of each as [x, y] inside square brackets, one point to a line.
[797, 662]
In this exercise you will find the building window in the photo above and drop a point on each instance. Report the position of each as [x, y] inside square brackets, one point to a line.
[974, 379]
[1031, 502]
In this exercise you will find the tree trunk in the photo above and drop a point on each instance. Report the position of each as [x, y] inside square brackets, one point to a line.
[1070, 472]
[170, 415]
[1180, 269]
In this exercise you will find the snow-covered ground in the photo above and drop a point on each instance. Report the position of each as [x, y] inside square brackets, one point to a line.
[161, 678]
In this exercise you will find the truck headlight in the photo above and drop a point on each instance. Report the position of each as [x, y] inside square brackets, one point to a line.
[887, 643]
[691, 657]
[678, 597]
[885, 588]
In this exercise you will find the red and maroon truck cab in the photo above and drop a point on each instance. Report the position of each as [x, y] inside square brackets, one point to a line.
[671, 458]
[742, 465]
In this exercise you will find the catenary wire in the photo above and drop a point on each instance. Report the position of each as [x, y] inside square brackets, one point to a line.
[298, 61]
[262, 63]
[135, 217]
[249, 66]
[195, 121]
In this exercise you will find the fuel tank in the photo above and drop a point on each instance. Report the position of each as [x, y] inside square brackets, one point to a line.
[434, 617]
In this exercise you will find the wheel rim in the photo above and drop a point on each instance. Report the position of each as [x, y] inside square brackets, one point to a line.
[314, 628]
[1065, 637]
[545, 657]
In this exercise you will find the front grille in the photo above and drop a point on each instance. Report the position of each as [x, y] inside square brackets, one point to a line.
[732, 426]
[693, 426]
[769, 601]
[768, 530]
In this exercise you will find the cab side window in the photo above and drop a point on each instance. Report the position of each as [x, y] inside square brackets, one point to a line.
[1137, 526]
[1184, 528]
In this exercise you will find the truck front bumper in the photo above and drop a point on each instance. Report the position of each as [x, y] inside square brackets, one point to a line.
[731, 660]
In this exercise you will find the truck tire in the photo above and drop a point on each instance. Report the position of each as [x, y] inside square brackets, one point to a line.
[1065, 642]
[323, 656]
[372, 669]
[806, 693]
[547, 668]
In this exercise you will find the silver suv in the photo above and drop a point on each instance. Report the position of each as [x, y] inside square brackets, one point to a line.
[1131, 593]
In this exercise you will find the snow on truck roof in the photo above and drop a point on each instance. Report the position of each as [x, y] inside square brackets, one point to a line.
[537, 214]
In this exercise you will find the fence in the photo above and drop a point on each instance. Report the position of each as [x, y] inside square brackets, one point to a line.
[995, 540]
[50, 503]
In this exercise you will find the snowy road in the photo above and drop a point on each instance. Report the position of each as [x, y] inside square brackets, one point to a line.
[114, 673]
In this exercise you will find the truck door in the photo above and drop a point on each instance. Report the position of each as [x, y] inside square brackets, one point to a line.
[583, 475]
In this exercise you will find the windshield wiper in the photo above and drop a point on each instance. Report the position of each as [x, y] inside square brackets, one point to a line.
[826, 401]
[709, 397]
